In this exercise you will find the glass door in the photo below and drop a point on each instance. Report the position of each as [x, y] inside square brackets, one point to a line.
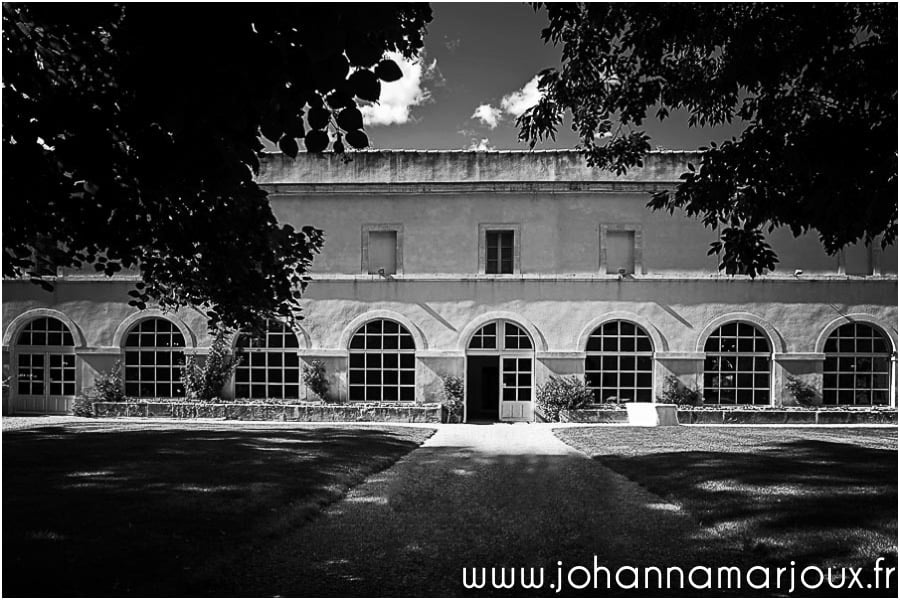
[45, 382]
[516, 398]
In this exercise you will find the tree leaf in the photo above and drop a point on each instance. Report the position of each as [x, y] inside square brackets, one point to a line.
[316, 141]
[341, 97]
[289, 146]
[357, 139]
[350, 119]
[388, 71]
[318, 118]
[365, 85]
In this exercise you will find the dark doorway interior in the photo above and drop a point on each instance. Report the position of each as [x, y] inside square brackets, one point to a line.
[483, 382]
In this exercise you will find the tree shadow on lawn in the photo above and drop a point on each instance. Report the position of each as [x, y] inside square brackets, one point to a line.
[811, 501]
[413, 529]
[94, 510]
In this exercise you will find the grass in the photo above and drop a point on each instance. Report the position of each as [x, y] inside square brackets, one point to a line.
[137, 509]
[825, 497]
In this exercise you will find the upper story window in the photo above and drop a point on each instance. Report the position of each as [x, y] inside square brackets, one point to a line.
[499, 257]
[498, 249]
[857, 259]
[382, 248]
[621, 249]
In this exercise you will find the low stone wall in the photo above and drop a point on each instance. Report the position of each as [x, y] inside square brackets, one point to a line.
[787, 417]
[420, 413]
[744, 417]
[593, 415]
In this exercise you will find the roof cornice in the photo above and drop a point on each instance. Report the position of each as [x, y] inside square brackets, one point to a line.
[506, 169]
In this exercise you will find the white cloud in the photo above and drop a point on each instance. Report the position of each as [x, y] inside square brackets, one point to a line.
[482, 145]
[488, 115]
[516, 103]
[398, 97]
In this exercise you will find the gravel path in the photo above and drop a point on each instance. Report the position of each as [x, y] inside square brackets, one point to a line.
[471, 496]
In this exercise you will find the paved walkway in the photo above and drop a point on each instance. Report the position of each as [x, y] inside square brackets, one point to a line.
[471, 496]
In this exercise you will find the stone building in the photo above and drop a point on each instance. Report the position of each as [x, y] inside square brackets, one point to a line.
[502, 268]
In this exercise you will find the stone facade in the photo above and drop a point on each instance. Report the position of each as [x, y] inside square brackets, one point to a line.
[564, 284]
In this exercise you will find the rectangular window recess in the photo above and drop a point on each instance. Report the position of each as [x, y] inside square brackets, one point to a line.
[620, 252]
[382, 248]
[382, 252]
[621, 249]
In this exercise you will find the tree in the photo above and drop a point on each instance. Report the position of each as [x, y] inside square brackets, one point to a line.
[131, 139]
[816, 86]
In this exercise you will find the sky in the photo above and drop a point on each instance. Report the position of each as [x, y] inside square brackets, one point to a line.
[476, 74]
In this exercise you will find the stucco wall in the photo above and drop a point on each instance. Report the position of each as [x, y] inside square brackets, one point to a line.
[442, 313]
[560, 232]
[440, 198]
[561, 309]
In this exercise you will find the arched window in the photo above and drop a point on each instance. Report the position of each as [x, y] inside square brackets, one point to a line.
[270, 365]
[500, 335]
[382, 363]
[154, 357]
[737, 366]
[45, 359]
[857, 366]
[619, 363]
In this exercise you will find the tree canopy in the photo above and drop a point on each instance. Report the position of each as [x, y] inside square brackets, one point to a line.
[816, 86]
[131, 139]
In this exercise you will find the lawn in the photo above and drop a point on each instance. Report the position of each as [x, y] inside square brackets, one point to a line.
[825, 497]
[133, 509]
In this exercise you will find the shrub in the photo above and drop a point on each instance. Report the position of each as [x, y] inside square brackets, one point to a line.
[453, 398]
[6, 387]
[206, 382]
[675, 392]
[562, 393]
[316, 379]
[803, 393]
[108, 385]
[83, 406]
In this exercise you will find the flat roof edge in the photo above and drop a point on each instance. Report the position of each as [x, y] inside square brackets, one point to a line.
[462, 166]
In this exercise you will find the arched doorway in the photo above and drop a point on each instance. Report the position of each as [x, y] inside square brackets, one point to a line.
[45, 375]
[500, 373]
